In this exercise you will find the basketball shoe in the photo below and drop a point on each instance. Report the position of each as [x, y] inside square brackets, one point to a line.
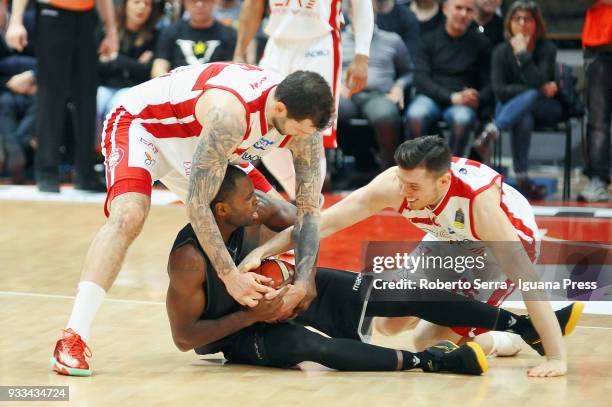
[568, 318]
[69, 355]
[446, 356]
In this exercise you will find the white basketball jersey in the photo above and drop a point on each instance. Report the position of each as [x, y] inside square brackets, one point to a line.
[165, 108]
[452, 218]
[292, 20]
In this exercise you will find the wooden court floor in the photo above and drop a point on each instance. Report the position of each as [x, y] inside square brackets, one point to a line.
[42, 246]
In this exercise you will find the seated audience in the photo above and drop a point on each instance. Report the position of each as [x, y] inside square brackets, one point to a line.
[399, 19]
[523, 80]
[429, 14]
[136, 21]
[17, 102]
[488, 22]
[452, 77]
[381, 101]
[199, 40]
[227, 12]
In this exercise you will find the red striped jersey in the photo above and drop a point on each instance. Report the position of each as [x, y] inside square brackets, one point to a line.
[165, 107]
[452, 218]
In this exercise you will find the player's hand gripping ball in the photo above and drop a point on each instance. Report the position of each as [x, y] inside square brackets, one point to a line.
[281, 272]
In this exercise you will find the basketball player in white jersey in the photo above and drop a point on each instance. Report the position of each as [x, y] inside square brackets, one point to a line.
[306, 35]
[183, 128]
[429, 188]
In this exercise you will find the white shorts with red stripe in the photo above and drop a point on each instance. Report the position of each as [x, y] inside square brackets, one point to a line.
[134, 159]
[321, 55]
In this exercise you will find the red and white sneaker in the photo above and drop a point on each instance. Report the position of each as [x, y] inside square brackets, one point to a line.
[69, 355]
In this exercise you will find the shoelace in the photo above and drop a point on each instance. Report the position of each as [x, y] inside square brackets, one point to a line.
[76, 346]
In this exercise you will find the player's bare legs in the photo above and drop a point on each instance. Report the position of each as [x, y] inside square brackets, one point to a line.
[492, 343]
[393, 326]
[102, 264]
[425, 334]
[107, 251]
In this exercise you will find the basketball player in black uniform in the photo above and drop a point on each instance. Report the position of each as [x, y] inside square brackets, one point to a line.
[204, 317]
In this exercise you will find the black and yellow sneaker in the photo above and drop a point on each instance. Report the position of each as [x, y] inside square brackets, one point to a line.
[448, 357]
[568, 317]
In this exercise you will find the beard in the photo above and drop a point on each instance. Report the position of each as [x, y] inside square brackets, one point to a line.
[279, 125]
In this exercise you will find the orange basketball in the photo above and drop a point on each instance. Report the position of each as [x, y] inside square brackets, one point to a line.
[279, 271]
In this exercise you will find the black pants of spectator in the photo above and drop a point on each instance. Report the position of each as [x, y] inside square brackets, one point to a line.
[383, 115]
[67, 70]
[598, 76]
[17, 118]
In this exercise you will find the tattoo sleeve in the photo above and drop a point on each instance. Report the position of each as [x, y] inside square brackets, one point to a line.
[306, 159]
[221, 133]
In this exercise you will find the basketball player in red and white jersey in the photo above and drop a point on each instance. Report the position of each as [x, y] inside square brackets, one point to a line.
[306, 35]
[429, 188]
[183, 128]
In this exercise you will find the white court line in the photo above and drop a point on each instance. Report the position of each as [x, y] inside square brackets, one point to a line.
[123, 301]
[594, 327]
[71, 297]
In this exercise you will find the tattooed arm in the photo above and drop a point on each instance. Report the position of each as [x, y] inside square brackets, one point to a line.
[307, 152]
[223, 125]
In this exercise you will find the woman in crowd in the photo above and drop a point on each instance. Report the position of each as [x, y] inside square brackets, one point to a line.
[523, 80]
[136, 21]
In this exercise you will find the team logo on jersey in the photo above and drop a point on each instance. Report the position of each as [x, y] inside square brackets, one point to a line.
[149, 144]
[250, 157]
[262, 144]
[459, 219]
[149, 160]
[463, 171]
[314, 53]
[115, 157]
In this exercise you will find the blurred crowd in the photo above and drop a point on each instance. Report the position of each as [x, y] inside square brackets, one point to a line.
[466, 69]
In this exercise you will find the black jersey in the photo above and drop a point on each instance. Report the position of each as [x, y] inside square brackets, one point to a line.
[338, 310]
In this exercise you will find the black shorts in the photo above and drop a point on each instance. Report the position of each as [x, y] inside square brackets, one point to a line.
[338, 311]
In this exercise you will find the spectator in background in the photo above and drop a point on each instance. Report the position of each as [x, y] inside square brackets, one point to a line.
[227, 12]
[3, 15]
[429, 14]
[136, 21]
[597, 43]
[523, 80]
[17, 102]
[488, 22]
[393, 17]
[382, 99]
[200, 40]
[66, 54]
[452, 76]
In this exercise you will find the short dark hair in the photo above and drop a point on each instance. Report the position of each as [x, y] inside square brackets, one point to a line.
[431, 152]
[228, 185]
[307, 96]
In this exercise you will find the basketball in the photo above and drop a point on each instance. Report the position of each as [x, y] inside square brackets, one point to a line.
[279, 271]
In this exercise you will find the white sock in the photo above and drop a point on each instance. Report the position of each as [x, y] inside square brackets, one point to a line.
[505, 343]
[88, 299]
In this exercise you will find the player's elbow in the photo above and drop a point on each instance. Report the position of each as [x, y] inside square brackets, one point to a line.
[181, 342]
